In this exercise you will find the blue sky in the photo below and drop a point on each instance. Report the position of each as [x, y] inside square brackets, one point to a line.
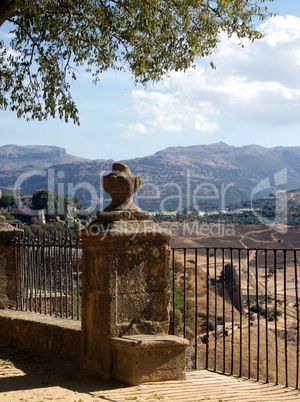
[252, 98]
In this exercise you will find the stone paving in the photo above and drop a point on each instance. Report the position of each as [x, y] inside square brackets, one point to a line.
[27, 377]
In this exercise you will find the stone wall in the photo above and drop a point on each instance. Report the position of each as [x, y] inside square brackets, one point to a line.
[8, 281]
[125, 296]
[55, 337]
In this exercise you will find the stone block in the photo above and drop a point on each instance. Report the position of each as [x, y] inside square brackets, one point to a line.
[144, 358]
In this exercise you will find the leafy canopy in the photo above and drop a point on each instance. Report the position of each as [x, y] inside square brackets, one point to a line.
[44, 199]
[51, 39]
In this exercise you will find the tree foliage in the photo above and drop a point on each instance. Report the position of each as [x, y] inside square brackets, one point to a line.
[7, 200]
[44, 199]
[51, 39]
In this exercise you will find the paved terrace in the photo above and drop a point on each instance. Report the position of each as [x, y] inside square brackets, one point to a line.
[30, 378]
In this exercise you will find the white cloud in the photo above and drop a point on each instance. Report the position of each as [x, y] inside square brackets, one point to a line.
[257, 83]
[134, 130]
[173, 112]
[281, 30]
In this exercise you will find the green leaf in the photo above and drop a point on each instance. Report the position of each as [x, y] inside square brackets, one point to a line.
[51, 40]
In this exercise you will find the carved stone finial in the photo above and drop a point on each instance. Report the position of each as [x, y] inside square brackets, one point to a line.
[121, 184]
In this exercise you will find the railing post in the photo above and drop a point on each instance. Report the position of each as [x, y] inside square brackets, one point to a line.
[126, 291]
[9, 284]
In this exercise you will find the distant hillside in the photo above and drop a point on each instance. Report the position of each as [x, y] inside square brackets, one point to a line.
[33, 157]
[17, 160]
[203, 175]
[220, 173]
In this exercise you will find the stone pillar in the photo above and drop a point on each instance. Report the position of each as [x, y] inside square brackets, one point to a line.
[8, 279]
[125, 287]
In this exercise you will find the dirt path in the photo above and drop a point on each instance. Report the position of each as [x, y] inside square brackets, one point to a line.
[246, 236]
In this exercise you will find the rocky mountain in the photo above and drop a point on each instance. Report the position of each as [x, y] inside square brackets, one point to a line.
[203, 175]
[219, 174]
[15, 161]
[33, 156]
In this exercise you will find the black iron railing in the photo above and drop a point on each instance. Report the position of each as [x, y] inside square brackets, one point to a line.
[240, 310]
[238, 307]
[48, 272]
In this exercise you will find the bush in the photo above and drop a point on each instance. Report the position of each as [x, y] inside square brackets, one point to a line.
[178, 267]
[269, 313]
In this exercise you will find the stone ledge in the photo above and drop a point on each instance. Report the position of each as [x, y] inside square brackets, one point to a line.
[41, 318]
[41, 333]
[144, 358]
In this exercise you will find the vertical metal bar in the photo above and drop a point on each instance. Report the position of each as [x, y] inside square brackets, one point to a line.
[17, 268]
[184, 293]
[276, 329]
[249, 314]
[36, 274]
[53, 263]
[258, 316]
[285, 320]
[216, 308]
[45, 287]
[40, 270]
[232, 310]
[16, 271]
[59, 251]
[30, 252]
[51, 276]
[37, 267]
[266, 316]
[22, 273]
[71, 277]
[67, 275]
[241, 314]
[30, 276]
[297, 312]
[207, 307]
[223, 309]
[78, 280]
[196, 309]
[66, 267]
[173, 291]
[26, 276]
[39, 278]
[35, 270]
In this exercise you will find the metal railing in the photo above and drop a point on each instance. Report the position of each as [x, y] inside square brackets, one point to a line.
[238, 307]
[240, 310]
[48, 273]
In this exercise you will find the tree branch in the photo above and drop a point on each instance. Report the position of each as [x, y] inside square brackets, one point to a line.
[7, 8]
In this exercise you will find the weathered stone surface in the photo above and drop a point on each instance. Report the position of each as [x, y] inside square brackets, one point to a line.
[121, 184]
[132, 268]
[113, 216]
[126, 285]
[126, 292]
[43, 334]
[145, 358]
[7, 232]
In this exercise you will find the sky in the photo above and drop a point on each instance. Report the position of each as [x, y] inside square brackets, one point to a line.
[253, 97]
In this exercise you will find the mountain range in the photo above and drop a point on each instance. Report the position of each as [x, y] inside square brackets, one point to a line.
[213, 175]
